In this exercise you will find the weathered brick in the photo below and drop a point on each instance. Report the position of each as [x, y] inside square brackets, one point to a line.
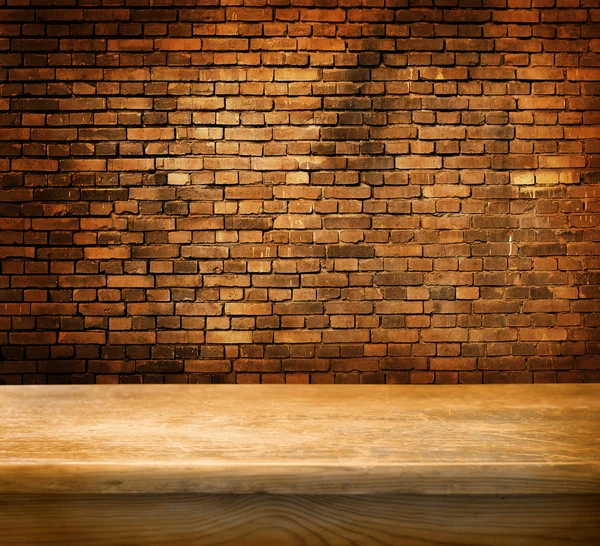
[248, 308]
[297, 221]
[304, 194]
[207, 366]
[229, 337]
[132, 338]
[198, 309]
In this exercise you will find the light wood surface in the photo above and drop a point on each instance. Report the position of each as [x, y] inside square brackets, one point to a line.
[299, 520]
[315, 439]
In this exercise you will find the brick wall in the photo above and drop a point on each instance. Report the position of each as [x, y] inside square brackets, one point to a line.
[299, 191]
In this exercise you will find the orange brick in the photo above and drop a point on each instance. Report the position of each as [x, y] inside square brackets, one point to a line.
[248, 309]
[207, 366]
[82, 338]
[331, 194]
[178, 44]
[132, 338]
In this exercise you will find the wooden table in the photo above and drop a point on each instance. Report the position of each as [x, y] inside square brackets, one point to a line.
[190, 465]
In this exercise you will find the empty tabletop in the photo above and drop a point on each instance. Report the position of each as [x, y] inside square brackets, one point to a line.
[309, 439]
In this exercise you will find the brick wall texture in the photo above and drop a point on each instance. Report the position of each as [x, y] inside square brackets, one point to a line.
[300, 191]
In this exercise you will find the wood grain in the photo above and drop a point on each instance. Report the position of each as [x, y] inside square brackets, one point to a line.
[316, 439]
[299, 520]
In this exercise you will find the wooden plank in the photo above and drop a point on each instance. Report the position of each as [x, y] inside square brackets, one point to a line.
[299, 520]
[466, 439]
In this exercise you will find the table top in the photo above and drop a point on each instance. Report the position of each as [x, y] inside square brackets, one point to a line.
[300, 439]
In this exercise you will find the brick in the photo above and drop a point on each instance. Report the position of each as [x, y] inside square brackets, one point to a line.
[224, 44]
[102, 309]
[14, 308]
[297, 221]
[392, 335]
[348, 308]
[274, 164]
[399, 279]
[248, 133]
[543, 334]
[453, 363]
[78, 104]
[418, 162]
[323, 15]
[207, 366]
[126, 74]
[468, 44]
[540, 73]
[198, 309]
[178, 280]
[249, 14]
[259, 192]
[131, 44]
[107, 253]
[248, 103]
[442, 132]
[178, 44]
[294, 336]
[163, 133]
[299, 308]
[181, 337]
[82, 165]
[492, 73]
[541, 103]
[174, 74]
[229, 337]
[82, 338]
[200, 223]
[130, 164]
[153, 308]
[200, 103]
[280, 281]
[204, 15]
[437, 335]
[297, 103]
[539, 132]
[297, 74]
[53, 308]
[325, 279]
[492, 103]
[130, 281]
[493, 132]
[437, 73]
[39, 165]
[132, 338]
[32, 338]
[248, 309]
